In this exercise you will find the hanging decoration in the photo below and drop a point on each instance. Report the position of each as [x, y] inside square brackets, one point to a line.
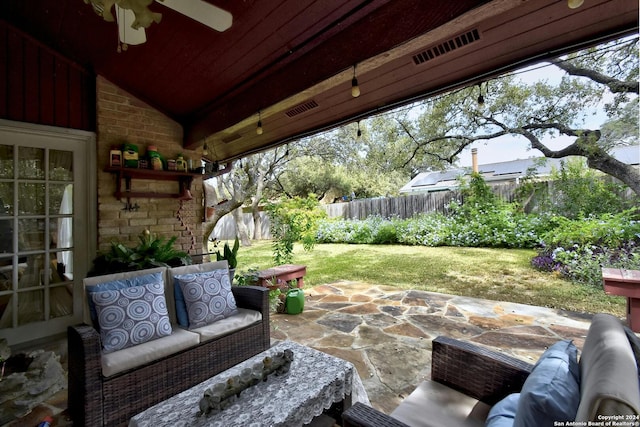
[259, 127]
[355, 88]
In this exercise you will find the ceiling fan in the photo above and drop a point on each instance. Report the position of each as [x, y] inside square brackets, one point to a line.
[133, 16]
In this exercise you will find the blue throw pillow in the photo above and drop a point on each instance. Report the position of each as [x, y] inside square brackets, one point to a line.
[114, 285]
[131, 315]
[181, 305]
[503, 413]
[552, 390]
[207, 296]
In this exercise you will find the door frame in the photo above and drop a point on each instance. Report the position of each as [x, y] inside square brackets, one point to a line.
[85, 223]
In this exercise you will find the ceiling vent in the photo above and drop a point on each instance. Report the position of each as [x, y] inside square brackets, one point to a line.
[446, 47]
[299, 109]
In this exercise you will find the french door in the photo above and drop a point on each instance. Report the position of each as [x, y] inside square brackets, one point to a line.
[47, 223]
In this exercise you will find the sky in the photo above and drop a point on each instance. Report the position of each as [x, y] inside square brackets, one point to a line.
[513, 147]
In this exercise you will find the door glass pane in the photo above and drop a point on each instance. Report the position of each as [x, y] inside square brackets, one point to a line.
[62, 237]
[30, 163]
[60, 165]
[60, 199]
[31, 271]
[6, 198]
[5, 306]
[31, 235]
[30, 307]
[6, 161]
[61, 300]
[31, 199]
[6, 236]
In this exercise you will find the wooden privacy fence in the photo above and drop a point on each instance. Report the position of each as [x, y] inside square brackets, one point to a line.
[402, 207]
[406, 206]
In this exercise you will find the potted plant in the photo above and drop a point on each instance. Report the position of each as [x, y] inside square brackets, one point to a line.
[230, 255]
[152, 251]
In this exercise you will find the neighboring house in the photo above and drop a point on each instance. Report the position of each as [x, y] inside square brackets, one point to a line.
[502, 172]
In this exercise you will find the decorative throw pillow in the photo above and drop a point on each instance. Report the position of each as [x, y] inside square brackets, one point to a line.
[208, 297]
[181, 305]
[131, 315]
[503, 413]
[552, 391]
[115, 285]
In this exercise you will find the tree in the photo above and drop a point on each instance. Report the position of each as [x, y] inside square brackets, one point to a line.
[537, 111]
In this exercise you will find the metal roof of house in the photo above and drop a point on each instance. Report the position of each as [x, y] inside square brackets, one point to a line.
[503, 171]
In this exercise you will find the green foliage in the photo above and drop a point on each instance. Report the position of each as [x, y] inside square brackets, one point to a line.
[293, 220]
[578, 191]
[152, 251]
[230, 254]
[247, 278]
[583, 264]
[608, 230]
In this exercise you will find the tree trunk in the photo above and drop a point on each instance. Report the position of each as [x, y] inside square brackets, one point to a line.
[257, 223]
[241, 229]
[219, 211]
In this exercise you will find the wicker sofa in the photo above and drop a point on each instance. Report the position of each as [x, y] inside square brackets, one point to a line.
[468, 380]
[108, 389]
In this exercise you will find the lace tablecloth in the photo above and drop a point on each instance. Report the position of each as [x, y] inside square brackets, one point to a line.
[315, 381]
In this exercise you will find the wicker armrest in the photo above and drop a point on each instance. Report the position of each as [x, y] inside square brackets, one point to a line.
[360, 415]
[84, 375]
[483, 374]
[252, 297]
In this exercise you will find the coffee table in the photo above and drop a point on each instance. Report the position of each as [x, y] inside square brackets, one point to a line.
[315, 382]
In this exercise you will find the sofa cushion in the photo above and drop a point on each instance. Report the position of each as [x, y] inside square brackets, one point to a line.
[175, 291]
[552, 391]
[139, 355]
[503, 413]
[208, 297]
[131, 315]
[243, 318]
[118, 281]
[433, 404]
[609, 382]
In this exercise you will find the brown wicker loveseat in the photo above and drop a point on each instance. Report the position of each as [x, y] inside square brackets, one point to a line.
[468, 380]
[103, 395]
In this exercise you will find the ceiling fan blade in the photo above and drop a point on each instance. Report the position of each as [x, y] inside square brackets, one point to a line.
[203, 12]
[127, 34]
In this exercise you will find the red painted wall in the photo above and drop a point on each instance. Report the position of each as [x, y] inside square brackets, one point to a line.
[37, 85]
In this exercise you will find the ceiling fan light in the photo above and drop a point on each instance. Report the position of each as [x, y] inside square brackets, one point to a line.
[355, 89]
[574, 4]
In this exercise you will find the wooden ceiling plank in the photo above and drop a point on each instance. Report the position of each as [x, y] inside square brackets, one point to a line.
[533, 41]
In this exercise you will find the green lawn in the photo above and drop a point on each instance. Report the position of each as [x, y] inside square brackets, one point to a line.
[497, 274]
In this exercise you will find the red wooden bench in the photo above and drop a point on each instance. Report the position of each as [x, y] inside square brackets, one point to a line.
[282, 273]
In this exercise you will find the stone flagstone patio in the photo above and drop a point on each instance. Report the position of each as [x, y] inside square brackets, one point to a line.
[386, 333]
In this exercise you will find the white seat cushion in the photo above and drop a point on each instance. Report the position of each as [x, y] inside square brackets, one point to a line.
[432, 404]
[242, 319]
[141, 354]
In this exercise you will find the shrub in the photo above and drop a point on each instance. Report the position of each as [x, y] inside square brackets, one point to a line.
[606, 230]
[293, 220]
[583, 264]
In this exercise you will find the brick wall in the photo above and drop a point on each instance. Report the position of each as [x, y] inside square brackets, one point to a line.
[122, 117]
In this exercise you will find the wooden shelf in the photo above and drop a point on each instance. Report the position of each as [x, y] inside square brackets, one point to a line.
[183, 178]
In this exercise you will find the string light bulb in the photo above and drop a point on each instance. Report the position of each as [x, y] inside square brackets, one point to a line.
[355, 89]
[205, 149]
[259, 129]
[574, 4]
[359, 133]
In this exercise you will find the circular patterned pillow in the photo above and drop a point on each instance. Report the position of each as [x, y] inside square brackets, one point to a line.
[131, 316]
[208, 297]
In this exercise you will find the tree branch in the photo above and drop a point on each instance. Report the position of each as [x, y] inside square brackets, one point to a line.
[615, 85]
